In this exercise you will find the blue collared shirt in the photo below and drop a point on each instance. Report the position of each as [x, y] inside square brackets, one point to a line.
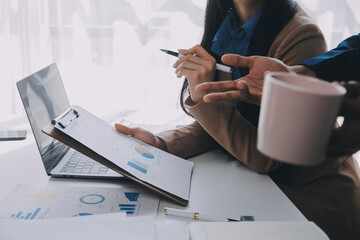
[230, 38]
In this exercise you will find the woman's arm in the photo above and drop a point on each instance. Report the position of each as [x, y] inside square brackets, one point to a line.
[188, 141]
[197, 66]
[184, 142]
[233, 132]
[228, 127]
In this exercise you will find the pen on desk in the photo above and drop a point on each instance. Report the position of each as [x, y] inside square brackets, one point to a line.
[194, 215]
[218, 66]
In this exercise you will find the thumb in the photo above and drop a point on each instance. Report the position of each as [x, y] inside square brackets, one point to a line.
[124, 129]
[237, 60]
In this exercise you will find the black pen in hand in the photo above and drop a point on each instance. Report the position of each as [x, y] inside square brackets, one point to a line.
[218, 66]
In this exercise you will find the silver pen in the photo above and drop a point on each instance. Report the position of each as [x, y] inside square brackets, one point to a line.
[218, 66]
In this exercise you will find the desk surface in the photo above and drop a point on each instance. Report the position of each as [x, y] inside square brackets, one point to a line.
[220, 187]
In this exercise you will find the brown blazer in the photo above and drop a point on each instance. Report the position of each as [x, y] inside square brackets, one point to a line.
[328, 194]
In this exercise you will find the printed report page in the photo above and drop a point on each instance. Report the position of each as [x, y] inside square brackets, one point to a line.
[150, 164]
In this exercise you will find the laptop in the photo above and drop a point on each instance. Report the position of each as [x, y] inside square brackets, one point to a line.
[44, 98]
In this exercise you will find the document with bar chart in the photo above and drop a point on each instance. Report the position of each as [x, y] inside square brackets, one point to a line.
[41, 202]
[156, 169]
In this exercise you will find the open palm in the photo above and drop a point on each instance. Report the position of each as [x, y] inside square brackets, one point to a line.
[248, 88]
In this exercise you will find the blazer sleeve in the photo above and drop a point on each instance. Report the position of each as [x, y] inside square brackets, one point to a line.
[233, 132]
[188, 141]
[298, 42]
[339, 64]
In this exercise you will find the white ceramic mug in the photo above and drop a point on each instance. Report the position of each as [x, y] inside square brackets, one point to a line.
[297, 116]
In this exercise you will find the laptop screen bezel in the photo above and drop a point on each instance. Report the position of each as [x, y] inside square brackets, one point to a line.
[49, 159]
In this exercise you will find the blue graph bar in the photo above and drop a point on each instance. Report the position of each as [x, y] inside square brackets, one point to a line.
[27, 216]
[18, 215]
[132, 196]
[12, 215]
[85, 214]
[137, 167]
[127, 205]
[126, 209]
[35, 213]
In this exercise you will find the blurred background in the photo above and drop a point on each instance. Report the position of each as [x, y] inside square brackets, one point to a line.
[108, 50]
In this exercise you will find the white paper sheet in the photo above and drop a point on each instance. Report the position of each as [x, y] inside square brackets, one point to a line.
[256, 230]
[43, 202]
[166, 230]
[108, 226]
[152, 165]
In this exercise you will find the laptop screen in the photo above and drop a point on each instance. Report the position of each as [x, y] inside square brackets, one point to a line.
[44, 98]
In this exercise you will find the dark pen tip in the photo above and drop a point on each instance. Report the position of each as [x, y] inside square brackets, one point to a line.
[163, 50]
[232, 220]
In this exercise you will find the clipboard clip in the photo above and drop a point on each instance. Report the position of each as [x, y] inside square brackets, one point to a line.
[64, 116]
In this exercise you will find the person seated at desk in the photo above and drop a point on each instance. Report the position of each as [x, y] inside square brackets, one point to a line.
[341, 63]
[274, 28]
[333, 192]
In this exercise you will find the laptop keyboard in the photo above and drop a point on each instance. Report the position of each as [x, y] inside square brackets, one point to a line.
[79, 163]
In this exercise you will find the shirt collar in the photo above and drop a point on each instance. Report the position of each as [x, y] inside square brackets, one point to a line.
[250, 25]
[229, 30]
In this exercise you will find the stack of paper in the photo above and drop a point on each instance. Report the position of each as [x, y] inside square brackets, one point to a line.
[256, 230]
[107, 226]
[114, 226]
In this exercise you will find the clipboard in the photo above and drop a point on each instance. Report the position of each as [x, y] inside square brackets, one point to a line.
[153, 168]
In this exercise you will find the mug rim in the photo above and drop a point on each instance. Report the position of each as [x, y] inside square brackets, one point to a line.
[328, 89]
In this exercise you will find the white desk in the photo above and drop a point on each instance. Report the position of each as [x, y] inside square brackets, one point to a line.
[220, 187]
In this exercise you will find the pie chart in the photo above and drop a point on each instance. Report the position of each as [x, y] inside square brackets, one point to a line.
[145, 153]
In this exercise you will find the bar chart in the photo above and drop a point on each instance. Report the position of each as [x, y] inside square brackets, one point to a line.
[128, 208]
[28, 216]
[34, 202]
[141, 167]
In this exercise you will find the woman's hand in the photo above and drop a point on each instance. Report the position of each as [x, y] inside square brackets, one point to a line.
[141, 135]
[248, 88]
[198, 66]
[230, 91]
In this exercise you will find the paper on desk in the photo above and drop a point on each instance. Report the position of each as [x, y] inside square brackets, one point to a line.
[166, 230]
[256, 230]
[150, 164]
[28, 202]
[108, 226]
